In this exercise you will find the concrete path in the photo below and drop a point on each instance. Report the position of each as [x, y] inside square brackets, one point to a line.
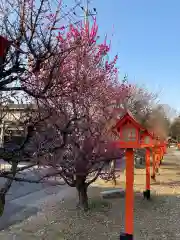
[21, 208]
[24, 199]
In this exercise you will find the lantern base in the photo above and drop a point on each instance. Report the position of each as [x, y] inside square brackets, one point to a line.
[147, 194]
[126, 236]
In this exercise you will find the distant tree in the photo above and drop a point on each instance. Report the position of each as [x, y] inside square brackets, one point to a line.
[158, 122]
[138, 100]
[175, 129]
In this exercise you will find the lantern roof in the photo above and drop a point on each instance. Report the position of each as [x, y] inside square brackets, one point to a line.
[128, 117]
[147, 133]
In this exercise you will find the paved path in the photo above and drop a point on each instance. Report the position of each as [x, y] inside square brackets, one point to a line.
[24, 199]
[21, 208]
[20, 189]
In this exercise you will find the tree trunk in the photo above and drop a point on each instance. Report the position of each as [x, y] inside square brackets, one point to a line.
[2, 203]
[81, 187]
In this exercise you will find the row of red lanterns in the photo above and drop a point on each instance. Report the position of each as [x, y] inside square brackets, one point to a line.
[132, 136]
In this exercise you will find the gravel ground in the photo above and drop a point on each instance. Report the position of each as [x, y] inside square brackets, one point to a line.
[155, 219]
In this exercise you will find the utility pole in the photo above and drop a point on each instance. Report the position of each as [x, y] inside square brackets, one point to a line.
[86, 12]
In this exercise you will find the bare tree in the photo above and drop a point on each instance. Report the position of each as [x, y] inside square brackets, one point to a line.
[71, 85]
[158, 122]
[80, 147]
[27, 43]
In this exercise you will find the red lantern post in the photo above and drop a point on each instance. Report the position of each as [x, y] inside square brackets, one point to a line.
[156, 158]
[129, 134]
[147, 141]
[153, 176]
[161, 150]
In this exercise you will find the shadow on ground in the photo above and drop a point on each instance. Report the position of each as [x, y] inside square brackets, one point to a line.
[14, 213]
[152, 219]
[170, 184]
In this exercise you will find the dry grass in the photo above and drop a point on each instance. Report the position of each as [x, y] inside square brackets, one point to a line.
[156, 219]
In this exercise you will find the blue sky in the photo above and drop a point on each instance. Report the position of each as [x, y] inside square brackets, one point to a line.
[146, 36]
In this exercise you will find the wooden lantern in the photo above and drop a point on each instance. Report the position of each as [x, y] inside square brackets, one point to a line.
[160, 149]
[129, 132]
[147, 140]
[157, 152]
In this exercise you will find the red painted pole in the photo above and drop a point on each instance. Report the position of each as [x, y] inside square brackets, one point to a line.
[148, 153]
[161, 155]
[148, 169]
[158, 160]
[129, 202]
[162, 152]
[154, 166]
[129, 208]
